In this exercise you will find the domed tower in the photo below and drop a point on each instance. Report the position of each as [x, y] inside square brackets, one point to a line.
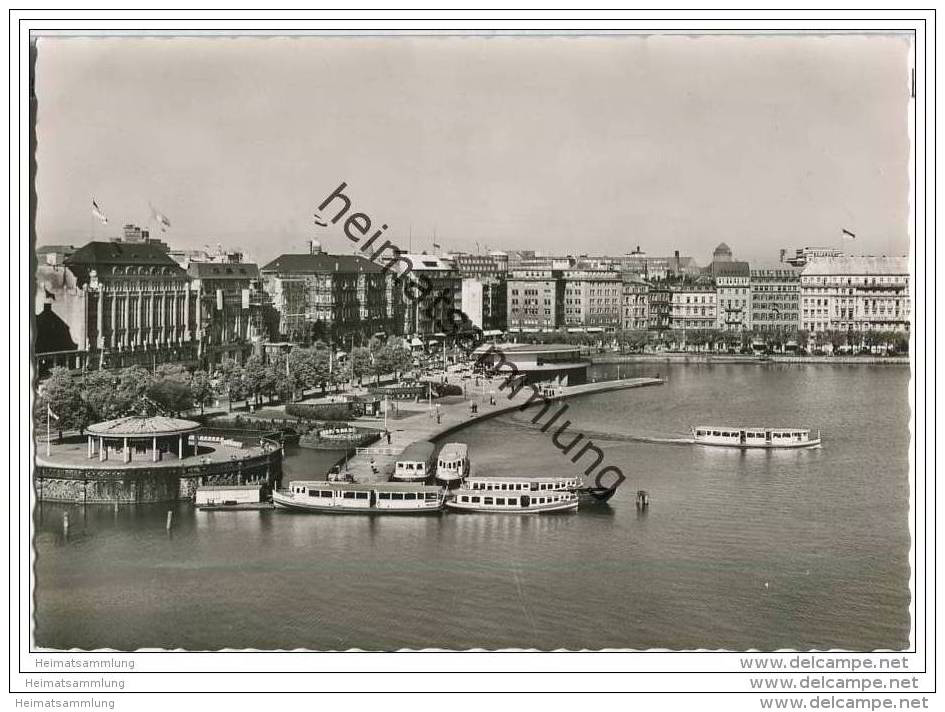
[722, 253]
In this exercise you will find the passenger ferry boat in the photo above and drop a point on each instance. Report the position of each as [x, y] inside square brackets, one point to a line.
[586, 494]
[739, 437]
[350, 498]
[512, 502]
[452, 465]
[416, 463]
[523, 484]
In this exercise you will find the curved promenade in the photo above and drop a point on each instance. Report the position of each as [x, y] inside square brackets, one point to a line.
[455, 414]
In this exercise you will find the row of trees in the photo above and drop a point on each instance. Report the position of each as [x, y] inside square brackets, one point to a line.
[639, 340]
[81, 399]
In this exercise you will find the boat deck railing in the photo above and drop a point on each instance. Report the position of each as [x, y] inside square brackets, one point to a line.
[382, 450]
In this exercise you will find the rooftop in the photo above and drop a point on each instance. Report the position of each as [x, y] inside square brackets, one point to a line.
[140, 426]
[856, 266]
[223, 270]
[320, 264]
[101, 255]
[730, 269]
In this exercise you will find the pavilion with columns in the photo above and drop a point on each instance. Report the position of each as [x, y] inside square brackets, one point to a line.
[143, 438]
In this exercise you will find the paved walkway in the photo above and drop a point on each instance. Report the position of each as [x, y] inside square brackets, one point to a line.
[418, 422]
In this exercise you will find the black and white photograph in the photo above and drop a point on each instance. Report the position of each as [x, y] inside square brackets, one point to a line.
[401, 341]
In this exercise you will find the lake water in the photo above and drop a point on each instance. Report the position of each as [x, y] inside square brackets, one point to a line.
[792, 549]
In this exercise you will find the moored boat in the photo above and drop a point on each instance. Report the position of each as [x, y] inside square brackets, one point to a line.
[741, 437]
[523, 484]
[452, 464]
[512, 502]
[351, 498]
[416, 463]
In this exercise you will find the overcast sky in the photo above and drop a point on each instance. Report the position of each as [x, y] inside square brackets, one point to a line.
[564, 145]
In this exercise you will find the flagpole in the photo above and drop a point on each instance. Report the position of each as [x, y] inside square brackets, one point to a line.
[47, 431]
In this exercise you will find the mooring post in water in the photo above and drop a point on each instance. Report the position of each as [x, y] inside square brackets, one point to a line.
[65, 524]
[643, 499]
[170, 518]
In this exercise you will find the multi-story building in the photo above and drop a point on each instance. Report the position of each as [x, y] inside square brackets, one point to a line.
[333, 297]
[803, 255]
[635, 303]
[477, 266]
[431, 307]
[733, 292]
[230, 309]
[114, 304]
[484, 302]
[592, 298]
[652, 268]
[856, 294]
[501, 260]
[775, 298]
[535, 300]
[693, 306]
[659, 317]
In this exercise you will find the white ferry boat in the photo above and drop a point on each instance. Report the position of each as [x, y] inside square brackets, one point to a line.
[452, 465]
[349, 498]
[587, 494]
[416, 463]
[523, 484]
[772, 438]
[512, 502]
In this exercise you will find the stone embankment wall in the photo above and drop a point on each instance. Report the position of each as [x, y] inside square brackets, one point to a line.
[141, 485]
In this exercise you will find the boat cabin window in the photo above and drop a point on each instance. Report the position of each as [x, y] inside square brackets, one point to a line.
[430, 496]
[383, 495]
[397, 495]
[361, 495]
[487, 500]
[464, 498]
[716, 432]
[500, 500]
[348, 495]
[474, 500]
[314, 493]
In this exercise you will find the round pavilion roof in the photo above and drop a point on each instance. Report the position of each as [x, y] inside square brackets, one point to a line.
[139, 426]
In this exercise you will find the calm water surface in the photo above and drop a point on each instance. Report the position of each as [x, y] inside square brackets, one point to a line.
[825, 529]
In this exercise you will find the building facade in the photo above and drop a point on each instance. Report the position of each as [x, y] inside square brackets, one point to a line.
[856, 294]
[693, 307]
[432, 295]
[477, 266]
[535, 300]
[733, 294]
[635, 304]
[592, 298]
[333, 297]
[230, 310]
[484, 302]
[659, 303]
[114, 304]
[775, 299]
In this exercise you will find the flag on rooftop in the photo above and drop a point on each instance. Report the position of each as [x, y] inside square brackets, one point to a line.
[97, 212]
[51, 414]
